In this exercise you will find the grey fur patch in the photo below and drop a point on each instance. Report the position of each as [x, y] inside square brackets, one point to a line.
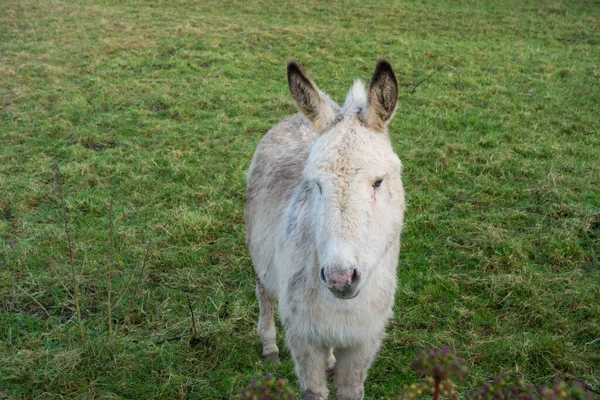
[339, 117]
[282, 177]
[296, 284]
[301, 198]
[310, 395]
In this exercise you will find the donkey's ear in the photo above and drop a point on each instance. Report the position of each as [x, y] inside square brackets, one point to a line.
[382, 97]
[309, 99]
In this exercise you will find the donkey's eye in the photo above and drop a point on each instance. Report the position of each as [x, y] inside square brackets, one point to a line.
[319, 186]
[377, 183]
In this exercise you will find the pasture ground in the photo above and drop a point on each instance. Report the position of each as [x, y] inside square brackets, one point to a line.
[158, 105]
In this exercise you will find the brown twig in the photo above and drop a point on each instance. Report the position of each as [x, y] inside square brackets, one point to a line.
[173, 339]
[438, 69]
[71, 262]
[436, 390]
[584, 383]
[124, 291]
[111, 265]
[139, 278]
[179, 337]
[34, 299]
[193, 318]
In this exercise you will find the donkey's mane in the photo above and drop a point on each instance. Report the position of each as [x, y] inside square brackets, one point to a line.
[356, 100]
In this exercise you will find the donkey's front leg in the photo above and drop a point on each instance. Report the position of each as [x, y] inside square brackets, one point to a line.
[310, 368]
[351, 370]
[329, 362]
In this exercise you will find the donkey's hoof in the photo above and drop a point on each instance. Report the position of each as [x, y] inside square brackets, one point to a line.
[273, 357]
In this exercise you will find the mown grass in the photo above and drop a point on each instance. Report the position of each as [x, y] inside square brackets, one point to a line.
[158, 105]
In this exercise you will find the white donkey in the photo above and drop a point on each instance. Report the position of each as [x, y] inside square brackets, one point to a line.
[324, 213]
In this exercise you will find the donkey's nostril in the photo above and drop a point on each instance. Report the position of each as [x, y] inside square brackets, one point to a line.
[323, 275]
[355, 275]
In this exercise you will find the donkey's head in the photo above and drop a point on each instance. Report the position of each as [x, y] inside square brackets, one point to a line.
[353, 176]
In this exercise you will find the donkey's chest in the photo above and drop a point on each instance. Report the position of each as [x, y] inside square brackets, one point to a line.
[325, 323]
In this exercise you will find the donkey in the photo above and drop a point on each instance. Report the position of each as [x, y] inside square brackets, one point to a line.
[324, 213]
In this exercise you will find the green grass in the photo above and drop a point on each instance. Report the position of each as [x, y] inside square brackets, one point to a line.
[159, 105]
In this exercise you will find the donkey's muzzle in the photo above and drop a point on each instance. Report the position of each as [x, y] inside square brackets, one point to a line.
[342, 282]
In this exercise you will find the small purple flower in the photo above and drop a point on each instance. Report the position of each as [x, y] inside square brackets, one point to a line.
[269, 388]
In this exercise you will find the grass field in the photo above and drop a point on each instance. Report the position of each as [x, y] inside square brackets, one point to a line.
[159, 105]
